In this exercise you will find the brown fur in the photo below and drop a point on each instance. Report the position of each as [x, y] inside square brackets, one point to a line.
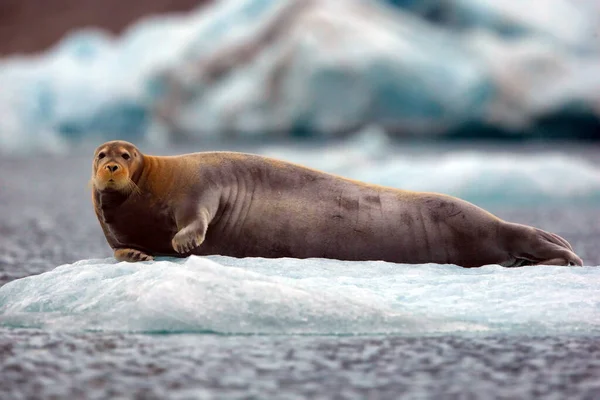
[244, 205]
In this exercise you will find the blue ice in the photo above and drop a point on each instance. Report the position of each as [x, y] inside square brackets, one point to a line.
[313, 296]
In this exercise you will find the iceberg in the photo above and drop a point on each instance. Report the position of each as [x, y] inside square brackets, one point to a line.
[567, 22]
[261, 68]
[315, 296]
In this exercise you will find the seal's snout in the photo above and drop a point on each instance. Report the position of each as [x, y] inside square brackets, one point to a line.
[112, 167]
[111, 174]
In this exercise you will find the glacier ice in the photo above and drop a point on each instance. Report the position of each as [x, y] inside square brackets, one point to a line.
[563, 21]
[295, 67]
[313, 296]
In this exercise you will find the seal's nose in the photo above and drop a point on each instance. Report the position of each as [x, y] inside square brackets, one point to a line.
[112, 168]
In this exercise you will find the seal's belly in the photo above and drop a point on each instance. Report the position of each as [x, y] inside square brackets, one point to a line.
[149, 228]
[355, 223]
[349, 223]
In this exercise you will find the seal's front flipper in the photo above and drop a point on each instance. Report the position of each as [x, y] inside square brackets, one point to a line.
[131, 255]
[192, 230]
[189, 238]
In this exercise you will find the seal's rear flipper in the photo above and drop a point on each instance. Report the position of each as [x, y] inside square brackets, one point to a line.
[537, 247]
[557, 261]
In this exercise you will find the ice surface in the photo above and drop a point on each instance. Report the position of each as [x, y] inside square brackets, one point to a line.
[314, 296]
[264, 68]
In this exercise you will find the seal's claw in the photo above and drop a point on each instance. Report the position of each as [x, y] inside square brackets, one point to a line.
[132, 255]
[186, 240]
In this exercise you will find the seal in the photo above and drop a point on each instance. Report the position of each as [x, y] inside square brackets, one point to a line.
[245, 205]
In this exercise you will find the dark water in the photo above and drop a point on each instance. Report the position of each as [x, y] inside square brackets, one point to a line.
[46, 220]
[184, 366]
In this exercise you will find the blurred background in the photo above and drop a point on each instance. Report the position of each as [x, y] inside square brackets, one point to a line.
[495, 102]
[166, 71]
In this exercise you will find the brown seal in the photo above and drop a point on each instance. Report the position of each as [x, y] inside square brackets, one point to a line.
[245, 205]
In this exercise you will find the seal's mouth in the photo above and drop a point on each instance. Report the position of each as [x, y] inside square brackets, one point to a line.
[110, 182]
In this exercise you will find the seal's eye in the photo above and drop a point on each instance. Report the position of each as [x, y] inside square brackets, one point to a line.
[126, 156]
[101, 156]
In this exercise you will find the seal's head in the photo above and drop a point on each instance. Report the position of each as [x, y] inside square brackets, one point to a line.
[116, 167]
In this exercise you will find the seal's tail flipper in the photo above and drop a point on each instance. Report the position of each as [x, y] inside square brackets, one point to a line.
[539, 247]
[557, 250]
[556, 261]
